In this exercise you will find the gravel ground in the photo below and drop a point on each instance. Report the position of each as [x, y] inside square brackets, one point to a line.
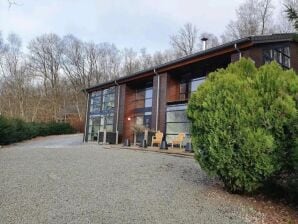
[49, 180]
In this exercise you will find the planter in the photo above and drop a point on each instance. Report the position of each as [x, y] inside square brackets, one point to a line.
[188, 147]
[141, 136]
[110, 139]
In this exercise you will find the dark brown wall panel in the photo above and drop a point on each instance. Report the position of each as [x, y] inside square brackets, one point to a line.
[173, 89]
[162, 102]
[121, 110]
[294, 56]
[128, 112]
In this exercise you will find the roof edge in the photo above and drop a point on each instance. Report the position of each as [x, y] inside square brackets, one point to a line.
[281, 37]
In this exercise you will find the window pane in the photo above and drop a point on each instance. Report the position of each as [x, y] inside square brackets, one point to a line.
[177, 116]
[140, 120]
[147, 121]
[109, 128]
[148, 93]
[177, 107]
[280, 54]
[140, 104]
[101, 105]
[175, 128]
[148, 102]
[182, 88]
[140, 94]
[195, 83]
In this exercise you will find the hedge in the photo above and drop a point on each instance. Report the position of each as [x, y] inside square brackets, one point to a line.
[244, 125]
[16, 130]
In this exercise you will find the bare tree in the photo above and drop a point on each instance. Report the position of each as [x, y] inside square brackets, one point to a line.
[15, 78]
[131, 62]
[252, 18]
[109, 61]
[45, 54]
[74, 63]
[185, 41]
[266, 10]
[145, 59]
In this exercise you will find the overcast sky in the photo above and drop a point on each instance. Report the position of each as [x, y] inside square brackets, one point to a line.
[127, 23]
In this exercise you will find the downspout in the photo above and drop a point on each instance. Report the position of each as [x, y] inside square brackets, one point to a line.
[117, 112]
[157, 99]
[237, 49]
[86, 117]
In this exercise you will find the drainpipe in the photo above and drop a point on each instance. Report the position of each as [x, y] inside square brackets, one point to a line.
[86, 117]
[237, 49]
[118, 107]
[157, 99]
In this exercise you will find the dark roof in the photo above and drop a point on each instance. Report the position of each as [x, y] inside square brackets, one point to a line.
[284, 37]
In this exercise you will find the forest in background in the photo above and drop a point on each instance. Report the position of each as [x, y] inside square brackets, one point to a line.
[45, 81]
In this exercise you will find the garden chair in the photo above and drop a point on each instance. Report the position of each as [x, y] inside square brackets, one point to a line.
[178, 140]
[157, 138]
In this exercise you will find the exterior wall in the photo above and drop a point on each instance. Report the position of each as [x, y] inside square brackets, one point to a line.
[162, 101]
[121, 115]
[87, 118]
[169, 91]
[294, 56]
[255, 53]
[173, 89]
[128, 112]
[115, 109]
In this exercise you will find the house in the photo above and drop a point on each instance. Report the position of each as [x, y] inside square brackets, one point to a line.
[157, 97]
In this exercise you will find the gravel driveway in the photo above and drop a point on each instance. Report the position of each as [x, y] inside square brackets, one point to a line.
[49, 180]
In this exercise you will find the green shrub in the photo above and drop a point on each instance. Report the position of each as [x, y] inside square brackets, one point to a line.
[15, 130]
[243, 123]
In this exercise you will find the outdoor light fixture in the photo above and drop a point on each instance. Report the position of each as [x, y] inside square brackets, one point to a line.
[128, 118]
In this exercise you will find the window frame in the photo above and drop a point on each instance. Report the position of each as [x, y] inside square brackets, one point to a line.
[275, 50]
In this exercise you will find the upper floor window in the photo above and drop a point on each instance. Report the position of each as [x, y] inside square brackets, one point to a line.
[188, 87]
[101, 117]
[279, 54]
[144, 98]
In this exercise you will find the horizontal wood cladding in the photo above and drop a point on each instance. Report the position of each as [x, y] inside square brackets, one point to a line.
[129, 111]
[162, 102]
[173, 89]
[161, 98]
[294, 56]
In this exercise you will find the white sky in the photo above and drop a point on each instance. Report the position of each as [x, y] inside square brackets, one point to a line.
[126, 23]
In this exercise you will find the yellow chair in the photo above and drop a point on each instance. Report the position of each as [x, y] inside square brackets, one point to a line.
[178, 140]
[157, 138]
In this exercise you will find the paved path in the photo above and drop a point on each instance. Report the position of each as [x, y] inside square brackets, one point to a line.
[59, 180]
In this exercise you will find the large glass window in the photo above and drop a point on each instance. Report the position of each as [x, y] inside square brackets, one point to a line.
[195, 83]
[279, 54]
[101, 113]
[187, 87]
[143, 105]
[176, 121]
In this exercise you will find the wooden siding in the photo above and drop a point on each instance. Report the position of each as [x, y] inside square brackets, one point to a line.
[128, 112]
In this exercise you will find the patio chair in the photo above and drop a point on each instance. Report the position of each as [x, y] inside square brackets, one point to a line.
[178, 140]
[157, 138]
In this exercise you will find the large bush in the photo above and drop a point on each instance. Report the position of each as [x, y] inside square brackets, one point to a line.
[15, 130]
[244, 124]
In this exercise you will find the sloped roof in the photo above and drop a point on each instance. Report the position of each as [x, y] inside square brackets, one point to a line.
[284, 37]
